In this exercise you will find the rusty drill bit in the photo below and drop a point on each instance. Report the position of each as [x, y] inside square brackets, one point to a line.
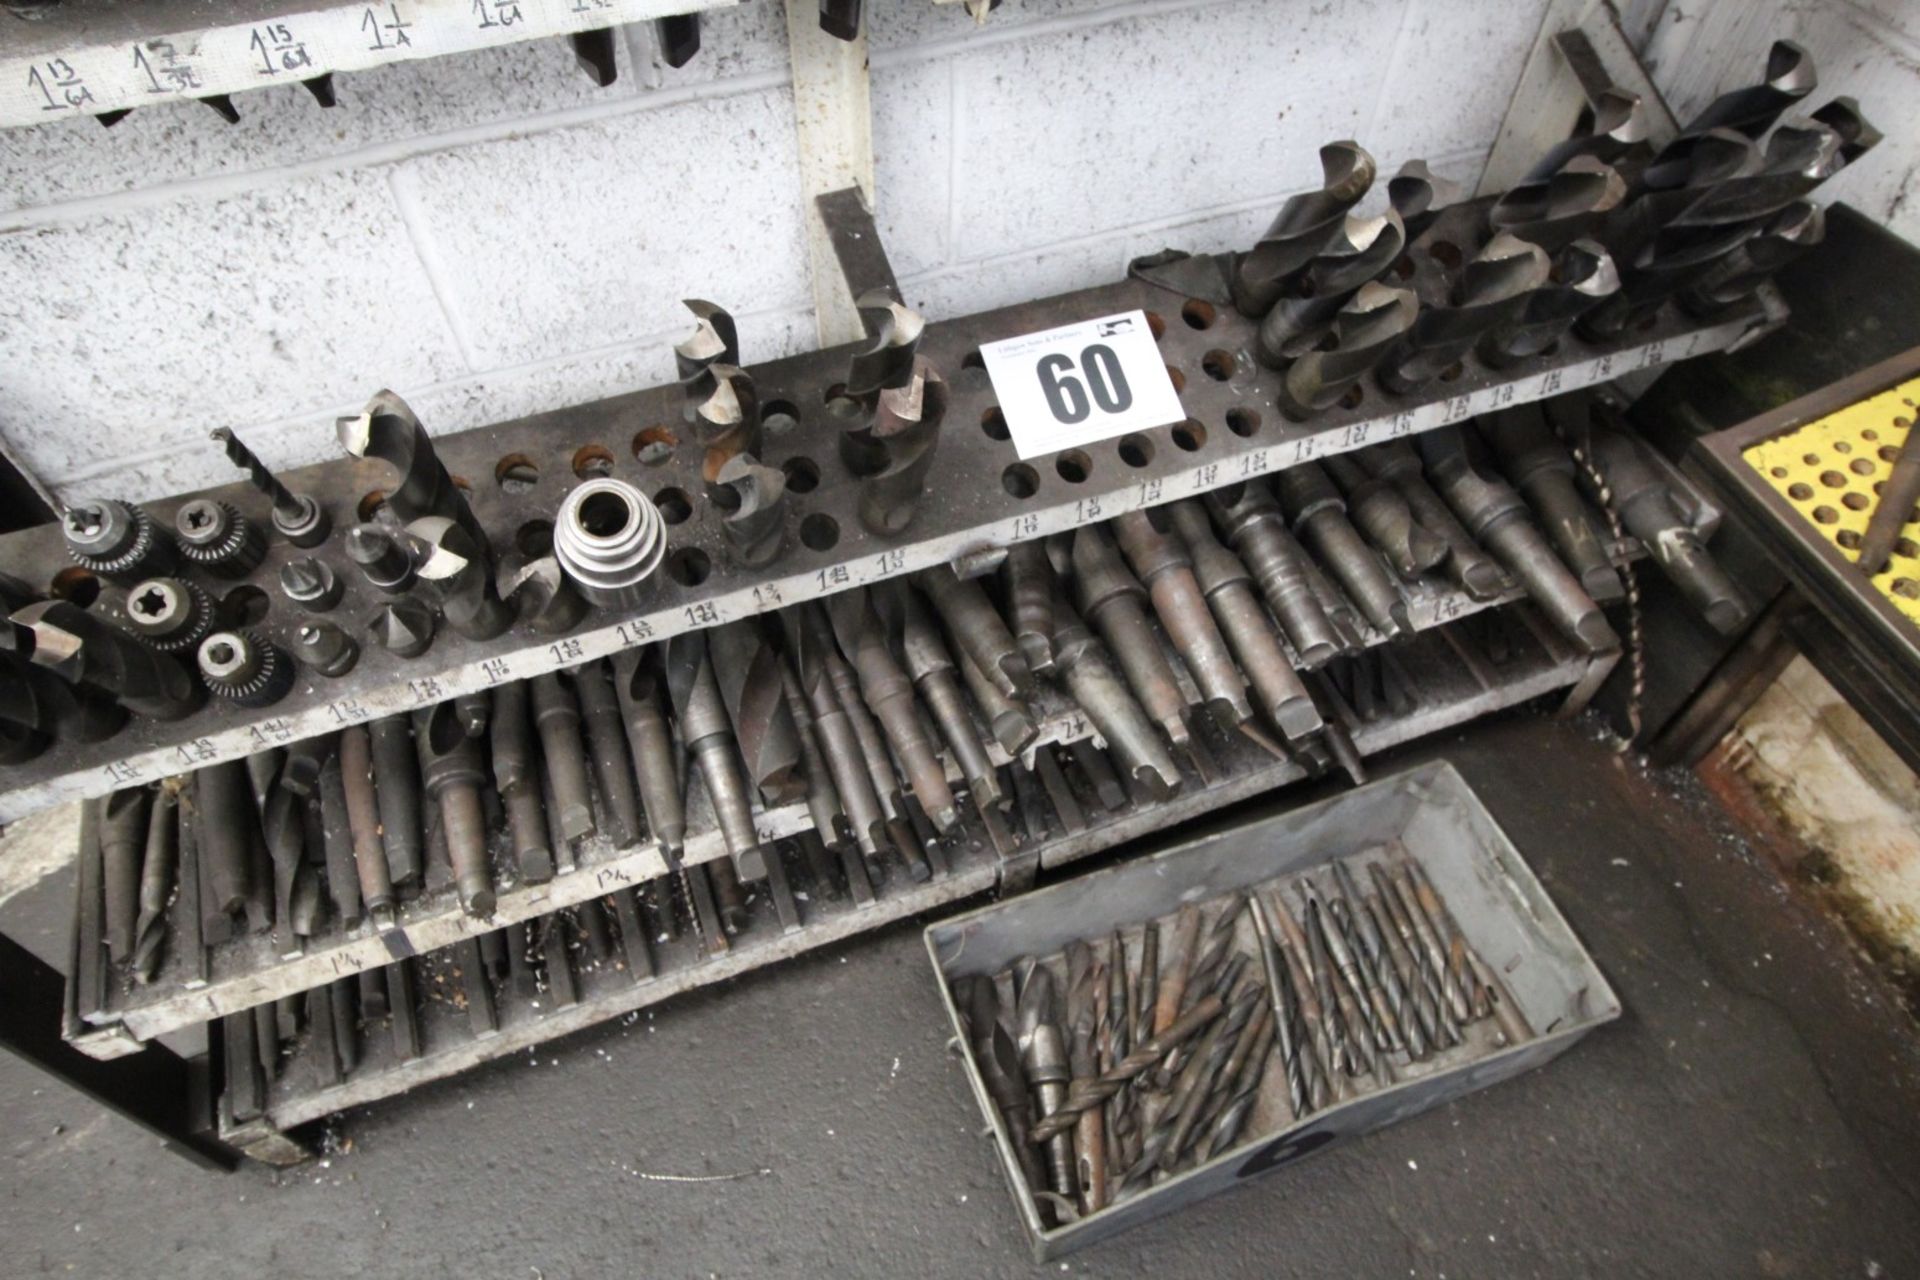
[1163, 565]
[158, 865]
[606, 741]
[363, 823]
[638, 682]
[556, 717]
[904, 430]
[747, 670]
[934, 675]
[123, 842]
[1107, 595]
[1319, 516]
[1027, 580]
[708, 735]
[516, 777]
[1100, 692]
[1257, 531]
[728, 420]
[1469, 565]
[451, 772]
[976, 626]
[997, 1058]
[838, 743]
[1095, 1092]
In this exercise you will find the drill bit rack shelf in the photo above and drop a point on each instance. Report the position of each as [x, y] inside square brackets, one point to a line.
[516, 473]
[1452, 681]
[193, 986]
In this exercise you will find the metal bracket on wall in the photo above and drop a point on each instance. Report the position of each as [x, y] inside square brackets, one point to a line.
[833, 122]
[1579, 53]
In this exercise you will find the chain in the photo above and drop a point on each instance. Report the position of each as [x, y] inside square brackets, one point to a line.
[1636, 637]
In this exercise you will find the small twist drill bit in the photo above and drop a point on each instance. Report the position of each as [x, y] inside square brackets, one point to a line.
[300, 520]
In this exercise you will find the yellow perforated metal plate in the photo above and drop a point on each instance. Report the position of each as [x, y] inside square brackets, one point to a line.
[1831, 472]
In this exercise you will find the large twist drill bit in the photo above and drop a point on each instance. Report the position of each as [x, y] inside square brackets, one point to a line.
[1583, 277]
[1362, 250]
[889, 362]
[1304, 225]
[1555, 211]
[715, 340]
[1618, 125]
[1751, 110]
[81, 648]
[387, 429]
[1492, 290]
[158, 866]
[727, 421]
[451, 771]
[1257, 531]
[1539, 466]
[904, 432]
[1419, 196]
[1319, 517]
[747, 670]
[1375, 318]
[1228, 589]
[1738, 275]
[756, 523]
[446, 554]
[123, 843]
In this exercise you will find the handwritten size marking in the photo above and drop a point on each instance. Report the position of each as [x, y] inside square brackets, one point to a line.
[632, 633]
[346, 710]
[196, 751]
[387, 29]
[1402, 425]
[1028, 526]
[1456, 409]
[1354, 434]
[565, 650]
[167, 69]
[890, 562]
[606, 876]
[496, 670]
[426, 689]
[346, 961]
[121, 772]
[58, 77]
[704, 614]
[278, 50]
[271, 733]
[833, 577]
[1206, 477]
[1086, 510]
[1255, 463]
[496, 13]
[767, 596]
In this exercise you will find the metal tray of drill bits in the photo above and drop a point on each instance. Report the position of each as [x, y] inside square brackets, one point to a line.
[1481, 962]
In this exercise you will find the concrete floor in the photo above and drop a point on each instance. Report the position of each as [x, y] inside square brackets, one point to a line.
[1752, 1114]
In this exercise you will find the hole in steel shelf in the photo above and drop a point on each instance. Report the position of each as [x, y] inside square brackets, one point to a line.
[605, 514]
[1189, 435]
[1811, 459]
[1156, 326]
[1403, 267]
[1778, 473]
[1842, 446]
[534, 538]
[802, 475]
[1888, 453]
[1243, 422]
[1179, 379]
[994, 423]
[1906, 588]
[1355, 394]
[1849, 539]
[1446, 253]
[689, 566]
[1020, 480]
[1218, 364]
[819, 532]
[1799, 491]
[1861, 467]
[672, 502]
[1826, 515]
[76, 585]
[1452, 371]
[654, 445]
[973, 360]
[1833, 480]
[516, 473]
[371, 504]
[724, 496]
[838, 391]
[1906, 547]
[1135, 450]
[1868, 433]
[593, 462]
[777, 417]
[1073, 466]
[244, 606]
[1855, 501]
[1198, 314]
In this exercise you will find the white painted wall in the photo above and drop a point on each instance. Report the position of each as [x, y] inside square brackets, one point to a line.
[491, 235]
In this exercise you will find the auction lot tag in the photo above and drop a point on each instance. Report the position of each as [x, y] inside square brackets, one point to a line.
[1081, 383]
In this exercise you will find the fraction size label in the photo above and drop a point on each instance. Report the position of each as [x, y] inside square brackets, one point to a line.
[1081, 383]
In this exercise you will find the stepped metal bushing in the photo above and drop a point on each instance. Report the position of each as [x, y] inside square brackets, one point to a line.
[609, 538]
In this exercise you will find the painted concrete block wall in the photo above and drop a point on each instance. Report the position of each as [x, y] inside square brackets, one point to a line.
[490, 235]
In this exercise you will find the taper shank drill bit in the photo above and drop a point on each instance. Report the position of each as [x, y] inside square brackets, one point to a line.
[1542, 470]
[1082, 666]
[638, 682]
[1228, 589]
[709, 739]
[606, 740]
[888, 693]
[714, 340]
[932, 671]
[746, 668]
[1466, 562]
[1162, 562]
[450, 768]
[976, 626]
[363, 822]
[1257, 531]
[1107, 595]
[1026, 577]
[388, 430]
[1373, 320]
[556, 717]
[1319, 517]
[809, 641]
[1380, 512]
[81, 648]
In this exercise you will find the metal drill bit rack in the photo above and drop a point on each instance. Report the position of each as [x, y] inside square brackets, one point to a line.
[514, 475]
[1455, 678]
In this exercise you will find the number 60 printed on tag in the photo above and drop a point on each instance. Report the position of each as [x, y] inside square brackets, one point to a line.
[1081, 383]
